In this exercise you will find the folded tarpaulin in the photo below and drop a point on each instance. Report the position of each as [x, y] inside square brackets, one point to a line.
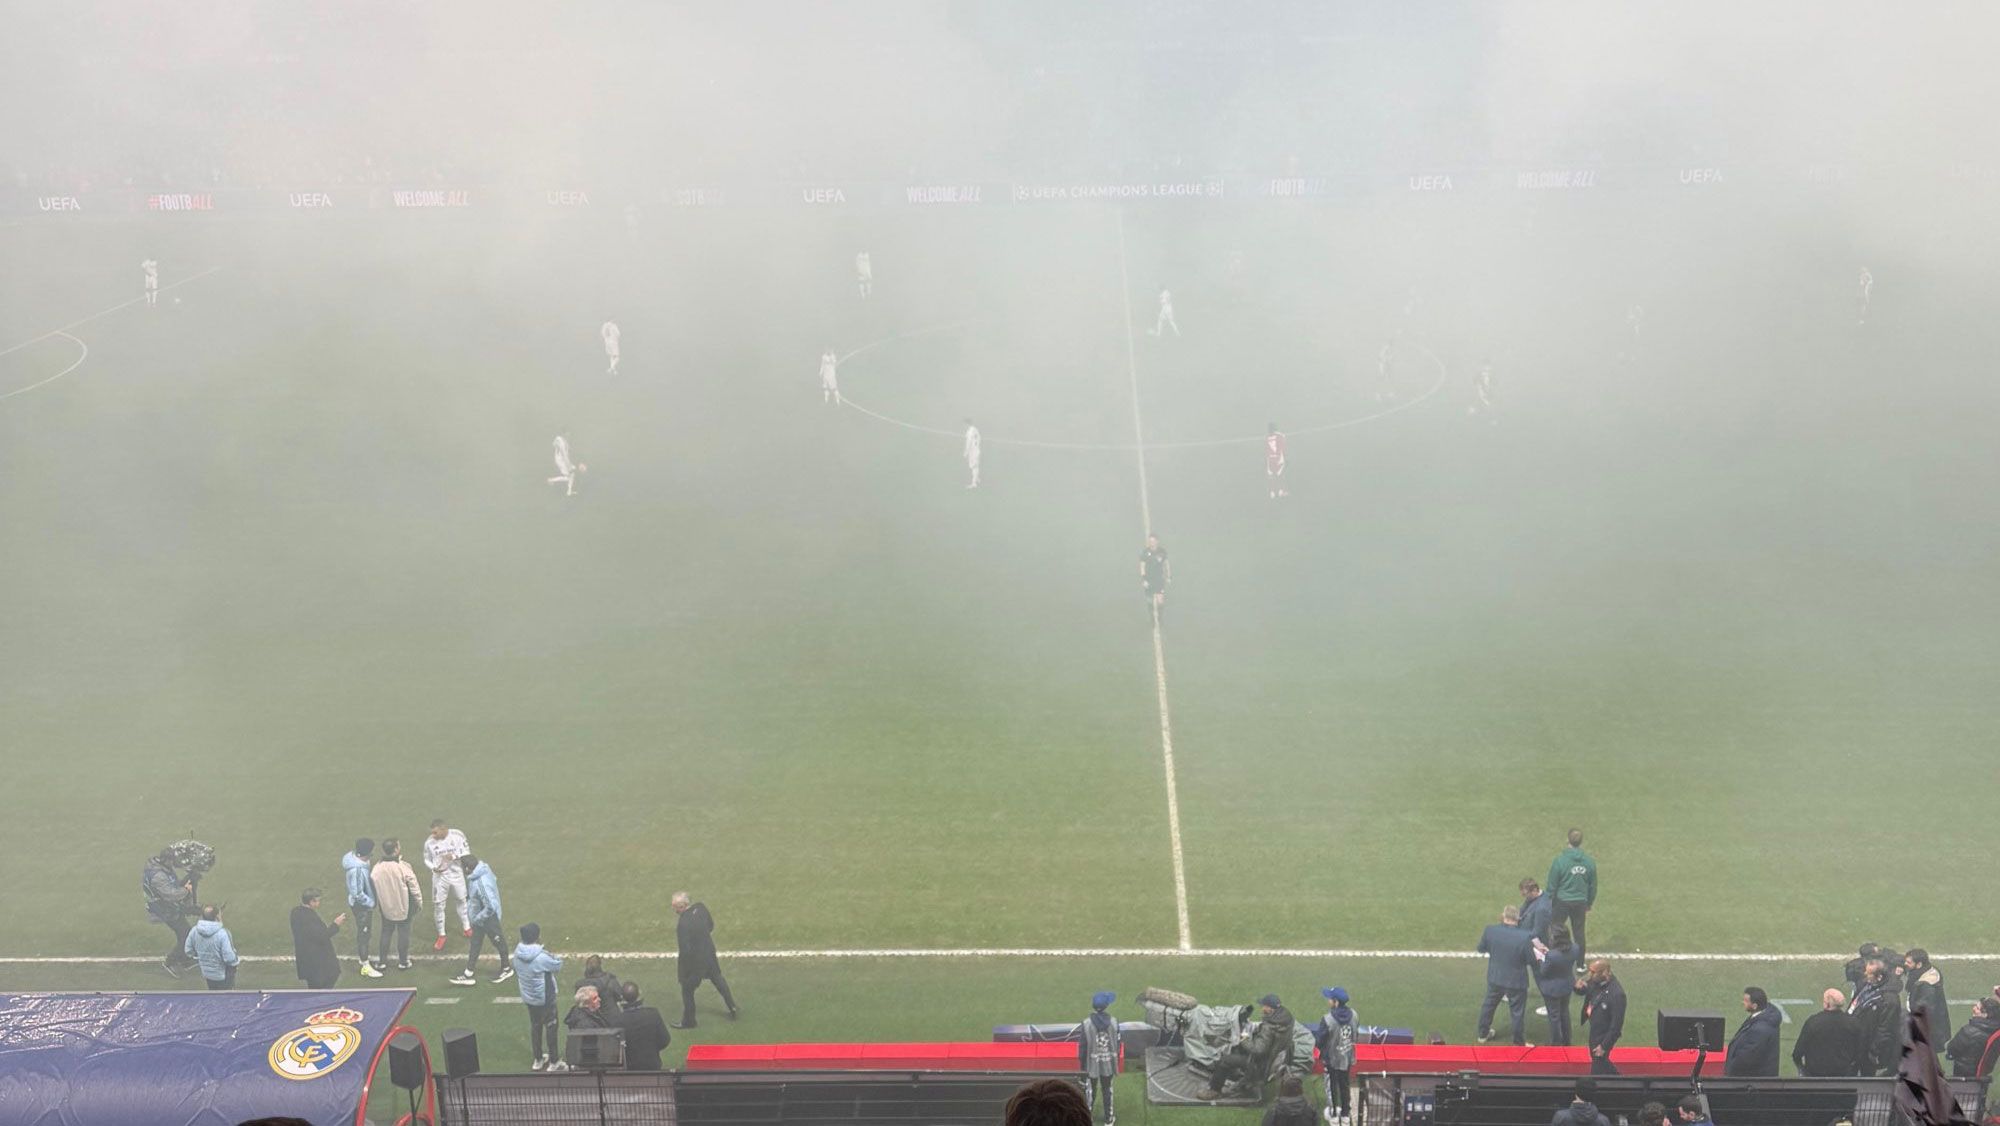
[190, 1059]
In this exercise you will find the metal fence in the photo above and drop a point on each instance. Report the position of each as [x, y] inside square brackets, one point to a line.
[1466, 1099]
[733, 1098]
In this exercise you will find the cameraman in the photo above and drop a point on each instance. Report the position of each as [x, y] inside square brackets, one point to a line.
[169, 902]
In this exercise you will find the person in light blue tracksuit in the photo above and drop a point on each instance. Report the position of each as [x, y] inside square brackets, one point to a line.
[482, 904]
[535, 973]
[210, 947]
[354, 867]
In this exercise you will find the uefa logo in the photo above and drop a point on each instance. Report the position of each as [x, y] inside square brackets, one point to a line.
[326, 1042]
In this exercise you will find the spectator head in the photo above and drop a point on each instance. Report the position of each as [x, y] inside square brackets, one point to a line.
[211, 913]
[1269, 1003]
[1559, 939]
[1832, 999]
[1576, 838]
[1586, 1091]
[1291, 1087]
[531, 932]
[586, 995]
[467, 863]
[1875, 972]
[681, 903]
[1652, 1114]
[1600, 969]
[1917, 960]
[1690, 1108]
[437, 829]
[391, 848]
[1870, 950]
[631, 993]
[1335, 996]
[166, 857]
[310, 897]
[1755, 1000]
[592, 966]
[1102, 999]
[1529, 888]
[363, 846]
[1048, 1102]
[1510, 914]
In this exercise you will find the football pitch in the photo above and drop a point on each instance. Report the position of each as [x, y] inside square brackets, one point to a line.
[284, 570]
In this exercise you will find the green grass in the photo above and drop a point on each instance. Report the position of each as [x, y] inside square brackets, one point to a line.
[283, 571]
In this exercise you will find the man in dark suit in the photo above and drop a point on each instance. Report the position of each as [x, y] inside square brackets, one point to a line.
[1509, 950]
[646, 1035]
[312, 943]
[1753, 1051]
[694, 933]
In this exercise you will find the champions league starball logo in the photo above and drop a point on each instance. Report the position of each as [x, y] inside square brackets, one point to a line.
[326, 1042]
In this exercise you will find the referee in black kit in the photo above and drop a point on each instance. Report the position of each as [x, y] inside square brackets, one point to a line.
[1155, 574]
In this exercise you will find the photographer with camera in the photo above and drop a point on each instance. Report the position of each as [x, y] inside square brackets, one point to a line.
[169, 902]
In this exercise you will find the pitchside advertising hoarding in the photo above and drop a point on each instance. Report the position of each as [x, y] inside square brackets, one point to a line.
[1438, 182]
[166, 1059]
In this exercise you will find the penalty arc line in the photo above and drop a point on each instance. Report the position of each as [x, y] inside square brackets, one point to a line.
[1048, 952]
[1159, 647]
[81, 356]
[104, 312]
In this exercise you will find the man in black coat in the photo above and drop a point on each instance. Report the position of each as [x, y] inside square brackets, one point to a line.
[1926, 988]
[1969, 1045]
[1509, 951]
[1604, 1015]
[1753, 1051]
[646, 1035]
[1879, 1012]
[694, 934]
[312, 943]
[1829, 1042]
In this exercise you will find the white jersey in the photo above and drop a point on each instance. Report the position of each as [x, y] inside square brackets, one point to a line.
[1867, 284]
[152, 269]
[864, 270]
[563, 466]
[1167, 304]
[610, 334]
[828, 373]
[972, 445]
[441, 856]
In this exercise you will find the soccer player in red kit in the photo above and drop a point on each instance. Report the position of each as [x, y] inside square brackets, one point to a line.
[1274, 462]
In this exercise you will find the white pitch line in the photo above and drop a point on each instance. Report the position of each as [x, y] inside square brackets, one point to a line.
[1054, 952]
[1159, 648]
[105, 312]
[81, 356]
[440, 1000]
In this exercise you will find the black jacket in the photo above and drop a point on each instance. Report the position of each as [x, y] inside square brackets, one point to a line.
[1969, 1045]
[1555, 975]
[1604, 1006]
[1880, 1015]
[609, 992]
[1829, 1044]
[646, 1036]
[694, 934]
[1580, 1113]
[312, 947]
[1290, 1110]
[1927, 993]
[1753, 1051]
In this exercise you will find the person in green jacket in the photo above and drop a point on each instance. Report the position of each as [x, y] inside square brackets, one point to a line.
[1572, 889]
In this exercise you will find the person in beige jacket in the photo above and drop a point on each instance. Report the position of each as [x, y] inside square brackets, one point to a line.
[397, 897]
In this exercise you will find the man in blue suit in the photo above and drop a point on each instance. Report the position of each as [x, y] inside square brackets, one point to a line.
[1509, 951]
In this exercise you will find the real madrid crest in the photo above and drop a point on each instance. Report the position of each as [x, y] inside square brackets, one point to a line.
[326, 1042]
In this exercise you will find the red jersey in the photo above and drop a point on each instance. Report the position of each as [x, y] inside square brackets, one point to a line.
[1274, 451]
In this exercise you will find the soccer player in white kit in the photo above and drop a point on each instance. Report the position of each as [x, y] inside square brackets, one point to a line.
[1865, 289]
[1166, 318]
[441, 852]
[829, 377]
[864, 273]
[972, 452]
[566, 469]
[610, 334]
[1385, 371]
[152, 271]
[1482, 391]
[1274, 462]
